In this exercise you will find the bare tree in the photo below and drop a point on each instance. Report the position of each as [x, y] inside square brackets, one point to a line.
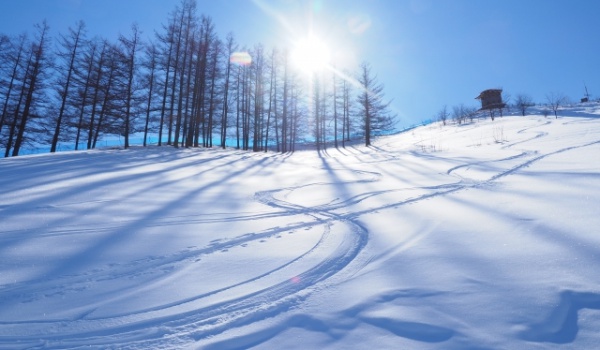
[39, 64]
[296, 113]
[470, 112]
[286, 104]
[523, 102]
[272, 109]
[70, 48]
[11, 56]
[95, 82]
[317, 110]
[150, 64]
[259, 91]
[346, 112]
[555, 100]
[130, 47]
[213, 96]
[108, 67]
[443, 114]
[335, 110]
[462, 114]
[167, 46]
[85, 86]
[175, 35]
[202, 79]
[187, 35]
[231, 47]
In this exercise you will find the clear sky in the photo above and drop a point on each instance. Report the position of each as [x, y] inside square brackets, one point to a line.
[427, 53]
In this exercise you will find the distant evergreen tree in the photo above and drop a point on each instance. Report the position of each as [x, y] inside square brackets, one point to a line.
[372, 108]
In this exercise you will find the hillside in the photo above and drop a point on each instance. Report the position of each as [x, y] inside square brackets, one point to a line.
[478, 236]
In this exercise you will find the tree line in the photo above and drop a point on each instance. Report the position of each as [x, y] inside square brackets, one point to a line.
[186, 86]
[522, 102]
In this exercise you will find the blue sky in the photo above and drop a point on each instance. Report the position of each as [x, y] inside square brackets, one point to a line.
[427, 53]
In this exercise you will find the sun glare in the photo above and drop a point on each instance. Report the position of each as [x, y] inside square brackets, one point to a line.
[310, 55]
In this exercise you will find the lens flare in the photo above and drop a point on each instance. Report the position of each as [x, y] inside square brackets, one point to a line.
[241, 58]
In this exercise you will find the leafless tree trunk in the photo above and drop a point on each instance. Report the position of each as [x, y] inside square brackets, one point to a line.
[555, 100]
[107, 87]
[231, 47]
[272, 95]
[168, 41]
[151, 65]
[286, 136]
[213, 74]
[523, 102]
[346, 112]
[130, 47]
[38, 67]
[335, 111]
[85, 90]
[188, 27]
[176, 73]
[97, 86]
[12, 59]
[443, 114]
[17, 108]
[70, 45]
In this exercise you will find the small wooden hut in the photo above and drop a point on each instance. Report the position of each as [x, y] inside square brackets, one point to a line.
[491, 99]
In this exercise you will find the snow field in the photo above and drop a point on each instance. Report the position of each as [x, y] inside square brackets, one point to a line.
[479, 236]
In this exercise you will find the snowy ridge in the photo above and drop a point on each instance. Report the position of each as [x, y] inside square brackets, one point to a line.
[474, 236]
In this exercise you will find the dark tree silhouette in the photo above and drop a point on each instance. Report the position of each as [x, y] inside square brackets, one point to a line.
[523, 102]
[38, 66]
[68, 54]
[373, 110]
[555, 100]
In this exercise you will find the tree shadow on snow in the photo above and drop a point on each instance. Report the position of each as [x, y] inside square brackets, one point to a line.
[561, 326]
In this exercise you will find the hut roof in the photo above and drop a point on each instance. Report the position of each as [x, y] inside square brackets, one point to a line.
[488, 92]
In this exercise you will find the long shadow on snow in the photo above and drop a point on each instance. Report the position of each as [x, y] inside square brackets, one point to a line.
[309, 278]
[143, 182]
[339, 325]
[119, 233]
[560, 326]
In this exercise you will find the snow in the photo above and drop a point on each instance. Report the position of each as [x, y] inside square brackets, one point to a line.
[478, 236]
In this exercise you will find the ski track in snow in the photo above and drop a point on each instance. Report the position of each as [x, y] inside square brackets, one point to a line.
[237, 305]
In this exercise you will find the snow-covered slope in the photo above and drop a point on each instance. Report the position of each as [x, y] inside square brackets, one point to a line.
[480, 236]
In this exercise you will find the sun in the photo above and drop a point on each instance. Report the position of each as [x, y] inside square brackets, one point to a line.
[310, 55]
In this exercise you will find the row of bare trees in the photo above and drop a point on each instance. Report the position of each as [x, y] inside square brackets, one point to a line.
[83, 89]
[186, 86]
[522, 102]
